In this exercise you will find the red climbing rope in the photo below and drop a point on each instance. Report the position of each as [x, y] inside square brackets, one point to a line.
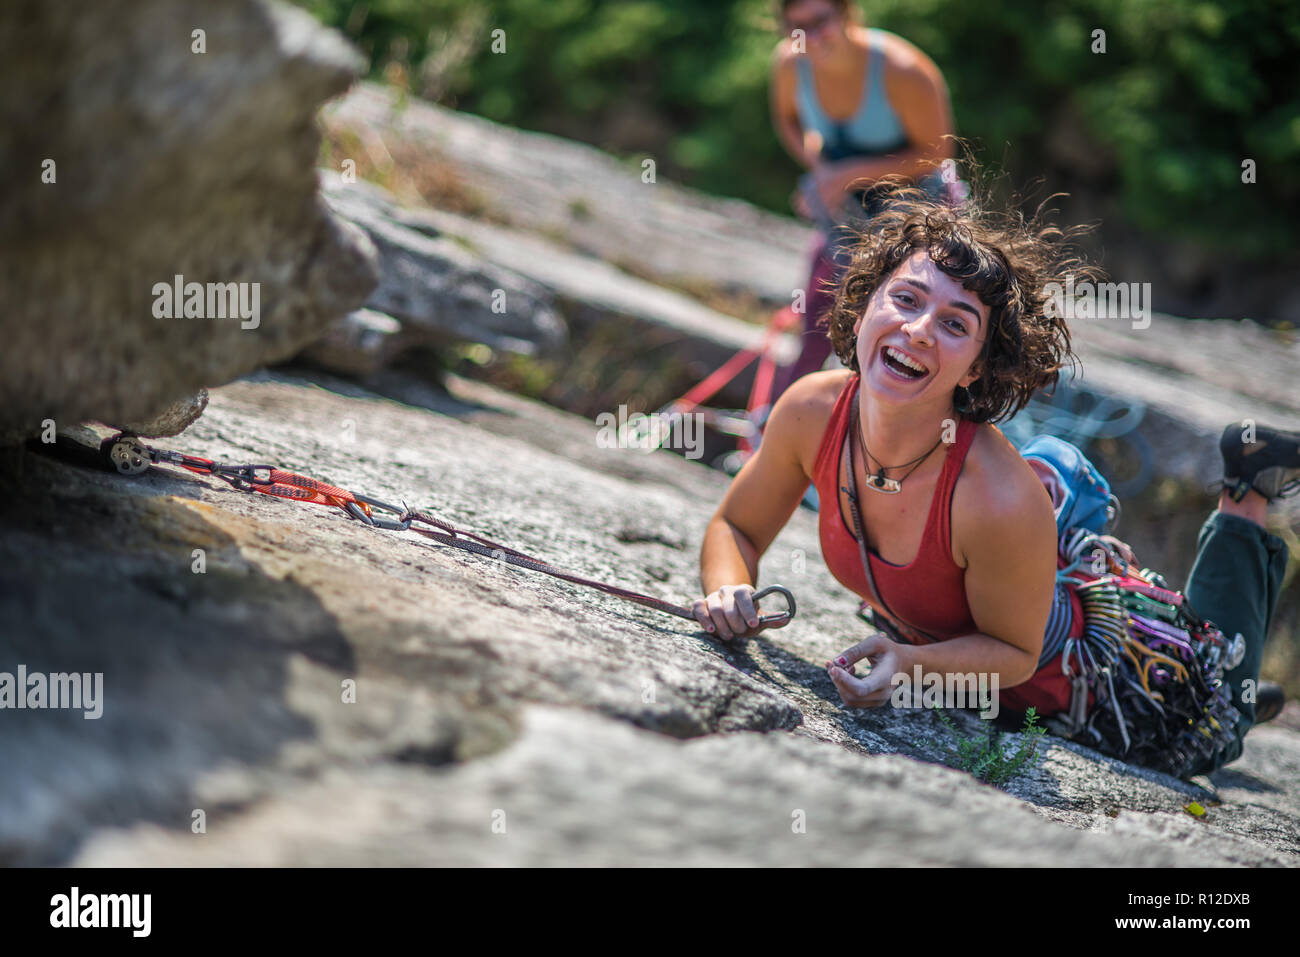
[760, 392]
[131, 457]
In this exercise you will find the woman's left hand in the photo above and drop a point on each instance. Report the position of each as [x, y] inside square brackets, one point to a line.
[1123, 548]
[873, 690]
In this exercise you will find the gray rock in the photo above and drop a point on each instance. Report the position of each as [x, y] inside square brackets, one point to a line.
[173, 420]
[581, 790]
[359, 344]
[1195, 377]
[167, 162]
[595, 293]
[600, 205]
[604, 731]
[440, 291]
[621, 318]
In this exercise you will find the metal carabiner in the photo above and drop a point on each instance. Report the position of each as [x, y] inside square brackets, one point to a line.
[779, 620]
[241, 477]
[400, 524]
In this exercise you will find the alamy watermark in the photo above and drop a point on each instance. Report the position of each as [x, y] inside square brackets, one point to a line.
[129, 911]
[950, 689]
[179, 299]
[37, 690]
[683, 431]
[1099, 300]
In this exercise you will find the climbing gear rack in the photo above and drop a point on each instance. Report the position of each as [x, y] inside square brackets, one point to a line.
[1152, 667]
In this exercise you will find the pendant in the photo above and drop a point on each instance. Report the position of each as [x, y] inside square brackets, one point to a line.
[881, 483]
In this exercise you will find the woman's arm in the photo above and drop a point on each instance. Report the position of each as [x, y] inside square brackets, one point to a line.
[761, 499]
[1009, 543]
[1010, 585]
[785, 114]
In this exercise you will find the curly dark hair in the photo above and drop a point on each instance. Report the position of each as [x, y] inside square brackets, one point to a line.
[1006, 259]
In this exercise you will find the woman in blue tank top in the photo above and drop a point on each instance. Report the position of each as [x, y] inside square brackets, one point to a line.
[851, 105]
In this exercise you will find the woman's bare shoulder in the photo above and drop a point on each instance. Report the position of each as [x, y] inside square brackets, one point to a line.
[783, 56]
[905, 58]
[997, 489]
[815, 393]
[800, 416]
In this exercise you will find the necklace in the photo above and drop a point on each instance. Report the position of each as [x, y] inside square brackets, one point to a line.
[880, 482]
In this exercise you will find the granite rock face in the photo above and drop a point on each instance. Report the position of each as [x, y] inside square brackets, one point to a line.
[146, 140]
[330, 694]
[270, 682]
[615, 210]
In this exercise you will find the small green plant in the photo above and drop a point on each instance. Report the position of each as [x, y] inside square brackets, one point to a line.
[985, 758]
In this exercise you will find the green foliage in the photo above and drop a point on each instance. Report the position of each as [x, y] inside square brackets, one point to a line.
[1185, 91]
[985, 758]
[1183, 94]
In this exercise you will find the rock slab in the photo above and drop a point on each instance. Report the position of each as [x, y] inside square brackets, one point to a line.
[329, 694]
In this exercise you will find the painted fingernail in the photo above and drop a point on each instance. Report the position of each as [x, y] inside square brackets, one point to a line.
[753, 623]
[842, 660]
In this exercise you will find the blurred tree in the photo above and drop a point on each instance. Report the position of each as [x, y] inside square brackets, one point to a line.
[1185, 92]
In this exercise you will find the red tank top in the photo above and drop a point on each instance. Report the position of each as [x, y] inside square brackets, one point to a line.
[929, 593]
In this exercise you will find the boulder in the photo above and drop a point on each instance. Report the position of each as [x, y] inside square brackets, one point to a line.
[359, 344]
[173, 420]
[152, 146]
[442, 269]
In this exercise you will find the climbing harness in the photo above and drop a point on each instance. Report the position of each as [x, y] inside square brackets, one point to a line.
[1153, 667]
[130, 456]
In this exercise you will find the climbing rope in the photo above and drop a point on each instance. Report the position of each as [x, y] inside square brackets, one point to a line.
[746, 424]
[1083, 416]
[1153, 667]
[130, 456]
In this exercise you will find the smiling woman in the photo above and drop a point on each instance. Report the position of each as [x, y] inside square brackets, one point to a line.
[939, 319]
[942, 322]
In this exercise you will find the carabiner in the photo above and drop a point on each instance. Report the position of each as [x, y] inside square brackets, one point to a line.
[400, 524]
[779, 620]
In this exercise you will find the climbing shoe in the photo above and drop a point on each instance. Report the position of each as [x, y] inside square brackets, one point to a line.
[1270, 464]
[1268, 702]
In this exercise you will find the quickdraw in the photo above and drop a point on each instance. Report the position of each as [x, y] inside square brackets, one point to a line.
[130, 456]
[1154, 668]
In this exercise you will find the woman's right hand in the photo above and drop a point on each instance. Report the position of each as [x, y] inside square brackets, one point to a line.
[800, 205]
[729, 612]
